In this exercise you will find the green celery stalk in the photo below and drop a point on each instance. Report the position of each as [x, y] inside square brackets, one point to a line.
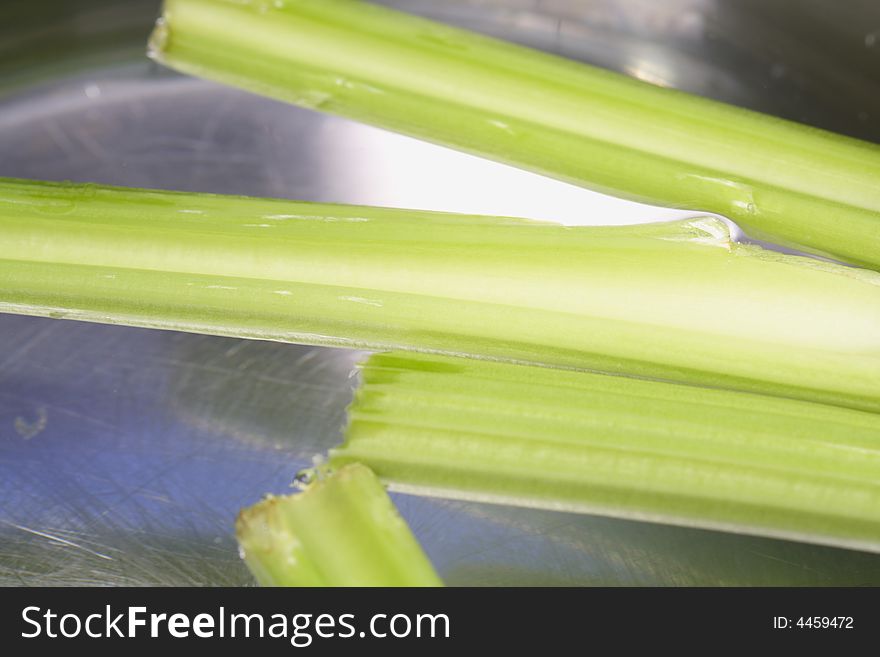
[778, 180]
[594, 443]
[343, 530]
[677, 301]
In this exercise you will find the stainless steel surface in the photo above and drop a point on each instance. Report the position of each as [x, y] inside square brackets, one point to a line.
[126, 453]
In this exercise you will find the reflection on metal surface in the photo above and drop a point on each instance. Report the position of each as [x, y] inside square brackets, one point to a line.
[141, 446]
[391, 169]
[125, 454]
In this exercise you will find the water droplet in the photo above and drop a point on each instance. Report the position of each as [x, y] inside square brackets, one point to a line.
[241, 553]
[158, 40]
[871, 39]
[304, 478]
[501, 125]
[312, 99]
[751, 208]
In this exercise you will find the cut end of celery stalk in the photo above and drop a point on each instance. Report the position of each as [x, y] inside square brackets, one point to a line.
[599, 444]
[342, 530]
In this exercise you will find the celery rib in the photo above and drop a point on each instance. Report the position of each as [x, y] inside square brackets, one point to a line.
[675, 301]
[780, 181]
[595, 443]
[343, 530]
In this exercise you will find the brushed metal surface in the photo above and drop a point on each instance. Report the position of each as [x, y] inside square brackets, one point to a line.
[126, 453]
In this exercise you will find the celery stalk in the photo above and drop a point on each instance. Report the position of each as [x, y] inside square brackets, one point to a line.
[610, 445]
[676, 301]
[780, 181]
[342, 530]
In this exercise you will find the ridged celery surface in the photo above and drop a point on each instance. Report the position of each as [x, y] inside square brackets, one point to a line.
[616, 446]
[677, 301]
[779, 180]
[343, 530]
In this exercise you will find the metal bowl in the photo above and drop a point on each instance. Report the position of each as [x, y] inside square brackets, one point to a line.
[126, 453]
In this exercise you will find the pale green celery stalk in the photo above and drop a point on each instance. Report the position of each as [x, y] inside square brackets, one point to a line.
[343, 530]
[780, 181]
[610, 445]
[678, 301]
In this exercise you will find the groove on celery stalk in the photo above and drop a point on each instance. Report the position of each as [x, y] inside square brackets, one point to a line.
[615, 446]
[780, 181]
[676, 301]
[342, 530]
